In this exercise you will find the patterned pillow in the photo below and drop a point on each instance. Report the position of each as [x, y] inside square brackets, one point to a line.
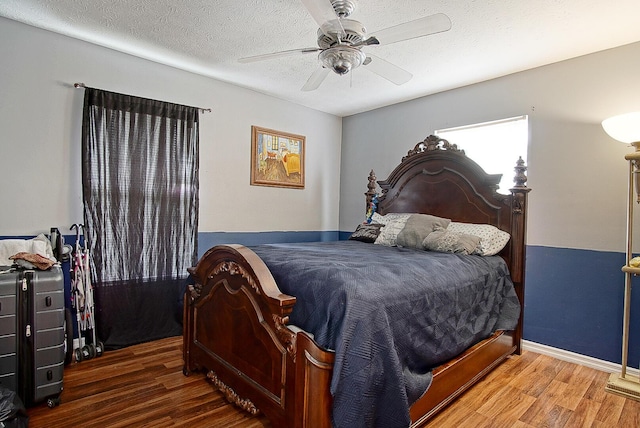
[388, 218]
[447, 241]
[366, 232]
[389, 233]
[492, 239]
[378, 218]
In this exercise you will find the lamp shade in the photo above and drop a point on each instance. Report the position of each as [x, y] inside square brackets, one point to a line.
[624, 127]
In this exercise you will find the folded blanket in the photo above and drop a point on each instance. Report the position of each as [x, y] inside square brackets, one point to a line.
[38, 245]
[36, 260]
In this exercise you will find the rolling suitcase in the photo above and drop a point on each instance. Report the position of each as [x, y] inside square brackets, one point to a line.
[39, 320]
[8, 331]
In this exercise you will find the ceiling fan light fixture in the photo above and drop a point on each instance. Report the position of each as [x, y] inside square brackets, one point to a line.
[342, 59]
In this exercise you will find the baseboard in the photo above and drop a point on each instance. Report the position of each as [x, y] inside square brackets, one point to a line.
[572, 357]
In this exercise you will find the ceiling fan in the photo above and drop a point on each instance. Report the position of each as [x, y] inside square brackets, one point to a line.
[340, 42]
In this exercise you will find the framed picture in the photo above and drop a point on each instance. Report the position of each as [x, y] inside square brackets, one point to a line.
[277, 158]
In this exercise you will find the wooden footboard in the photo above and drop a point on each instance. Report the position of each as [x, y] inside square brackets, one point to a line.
[236, 330]
[453, 378]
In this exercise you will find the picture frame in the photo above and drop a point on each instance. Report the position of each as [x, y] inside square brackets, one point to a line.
[277, 158]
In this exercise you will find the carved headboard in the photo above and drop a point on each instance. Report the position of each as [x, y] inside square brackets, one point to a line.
[437, 178]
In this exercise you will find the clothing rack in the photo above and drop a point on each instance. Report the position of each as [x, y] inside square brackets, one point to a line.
[79, 85]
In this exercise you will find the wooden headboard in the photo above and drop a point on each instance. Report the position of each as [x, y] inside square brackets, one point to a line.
[437, 178]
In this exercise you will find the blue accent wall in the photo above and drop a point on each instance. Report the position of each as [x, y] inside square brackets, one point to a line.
[573, 298]
[207, 240]
[574, 301]
[345, 235]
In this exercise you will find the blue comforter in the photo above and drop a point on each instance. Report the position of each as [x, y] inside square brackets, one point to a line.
[391, 315]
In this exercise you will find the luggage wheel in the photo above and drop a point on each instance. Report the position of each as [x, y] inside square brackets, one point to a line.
[92, 350]
[88, 352]
[99, 349]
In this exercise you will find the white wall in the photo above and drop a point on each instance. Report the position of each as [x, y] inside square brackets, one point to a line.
[40, 126]
[576, 171]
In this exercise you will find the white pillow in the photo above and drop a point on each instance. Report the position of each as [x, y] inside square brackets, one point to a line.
[9, 247]
[388, 218]
[41, 245]
[492, 239]
[393, 224]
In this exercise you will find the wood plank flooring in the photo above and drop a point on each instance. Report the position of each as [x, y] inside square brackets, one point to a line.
[143, 385]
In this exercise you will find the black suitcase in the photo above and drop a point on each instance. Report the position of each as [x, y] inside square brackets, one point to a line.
[34, 346]
[8, 331]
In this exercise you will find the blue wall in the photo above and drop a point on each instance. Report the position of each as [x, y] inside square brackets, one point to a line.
[573, 298]
[574, 301]
[207, 240]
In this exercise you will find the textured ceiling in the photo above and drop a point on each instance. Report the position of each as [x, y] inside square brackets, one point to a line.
[488, 39]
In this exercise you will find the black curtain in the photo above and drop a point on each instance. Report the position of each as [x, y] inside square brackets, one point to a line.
[140, 192]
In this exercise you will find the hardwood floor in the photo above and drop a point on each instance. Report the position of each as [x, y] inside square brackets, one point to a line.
[143, 385]
[535, 391]
[138, 386]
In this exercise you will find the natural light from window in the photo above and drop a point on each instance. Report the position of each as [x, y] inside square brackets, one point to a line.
[495, 146]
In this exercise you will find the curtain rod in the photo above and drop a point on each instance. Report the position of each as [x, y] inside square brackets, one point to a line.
[82, 85]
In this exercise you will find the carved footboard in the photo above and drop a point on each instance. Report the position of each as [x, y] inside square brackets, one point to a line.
[235, 330]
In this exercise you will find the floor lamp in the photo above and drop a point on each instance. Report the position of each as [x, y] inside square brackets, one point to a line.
[626, 128]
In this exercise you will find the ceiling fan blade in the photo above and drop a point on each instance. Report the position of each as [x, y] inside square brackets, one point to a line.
[316, 79]
[410, 30]
[277, 54]
[385, 69]
[325, 16]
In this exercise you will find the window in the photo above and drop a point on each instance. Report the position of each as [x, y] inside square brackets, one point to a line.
[495, 146]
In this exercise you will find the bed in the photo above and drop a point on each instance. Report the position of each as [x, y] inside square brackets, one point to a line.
[238, 320]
